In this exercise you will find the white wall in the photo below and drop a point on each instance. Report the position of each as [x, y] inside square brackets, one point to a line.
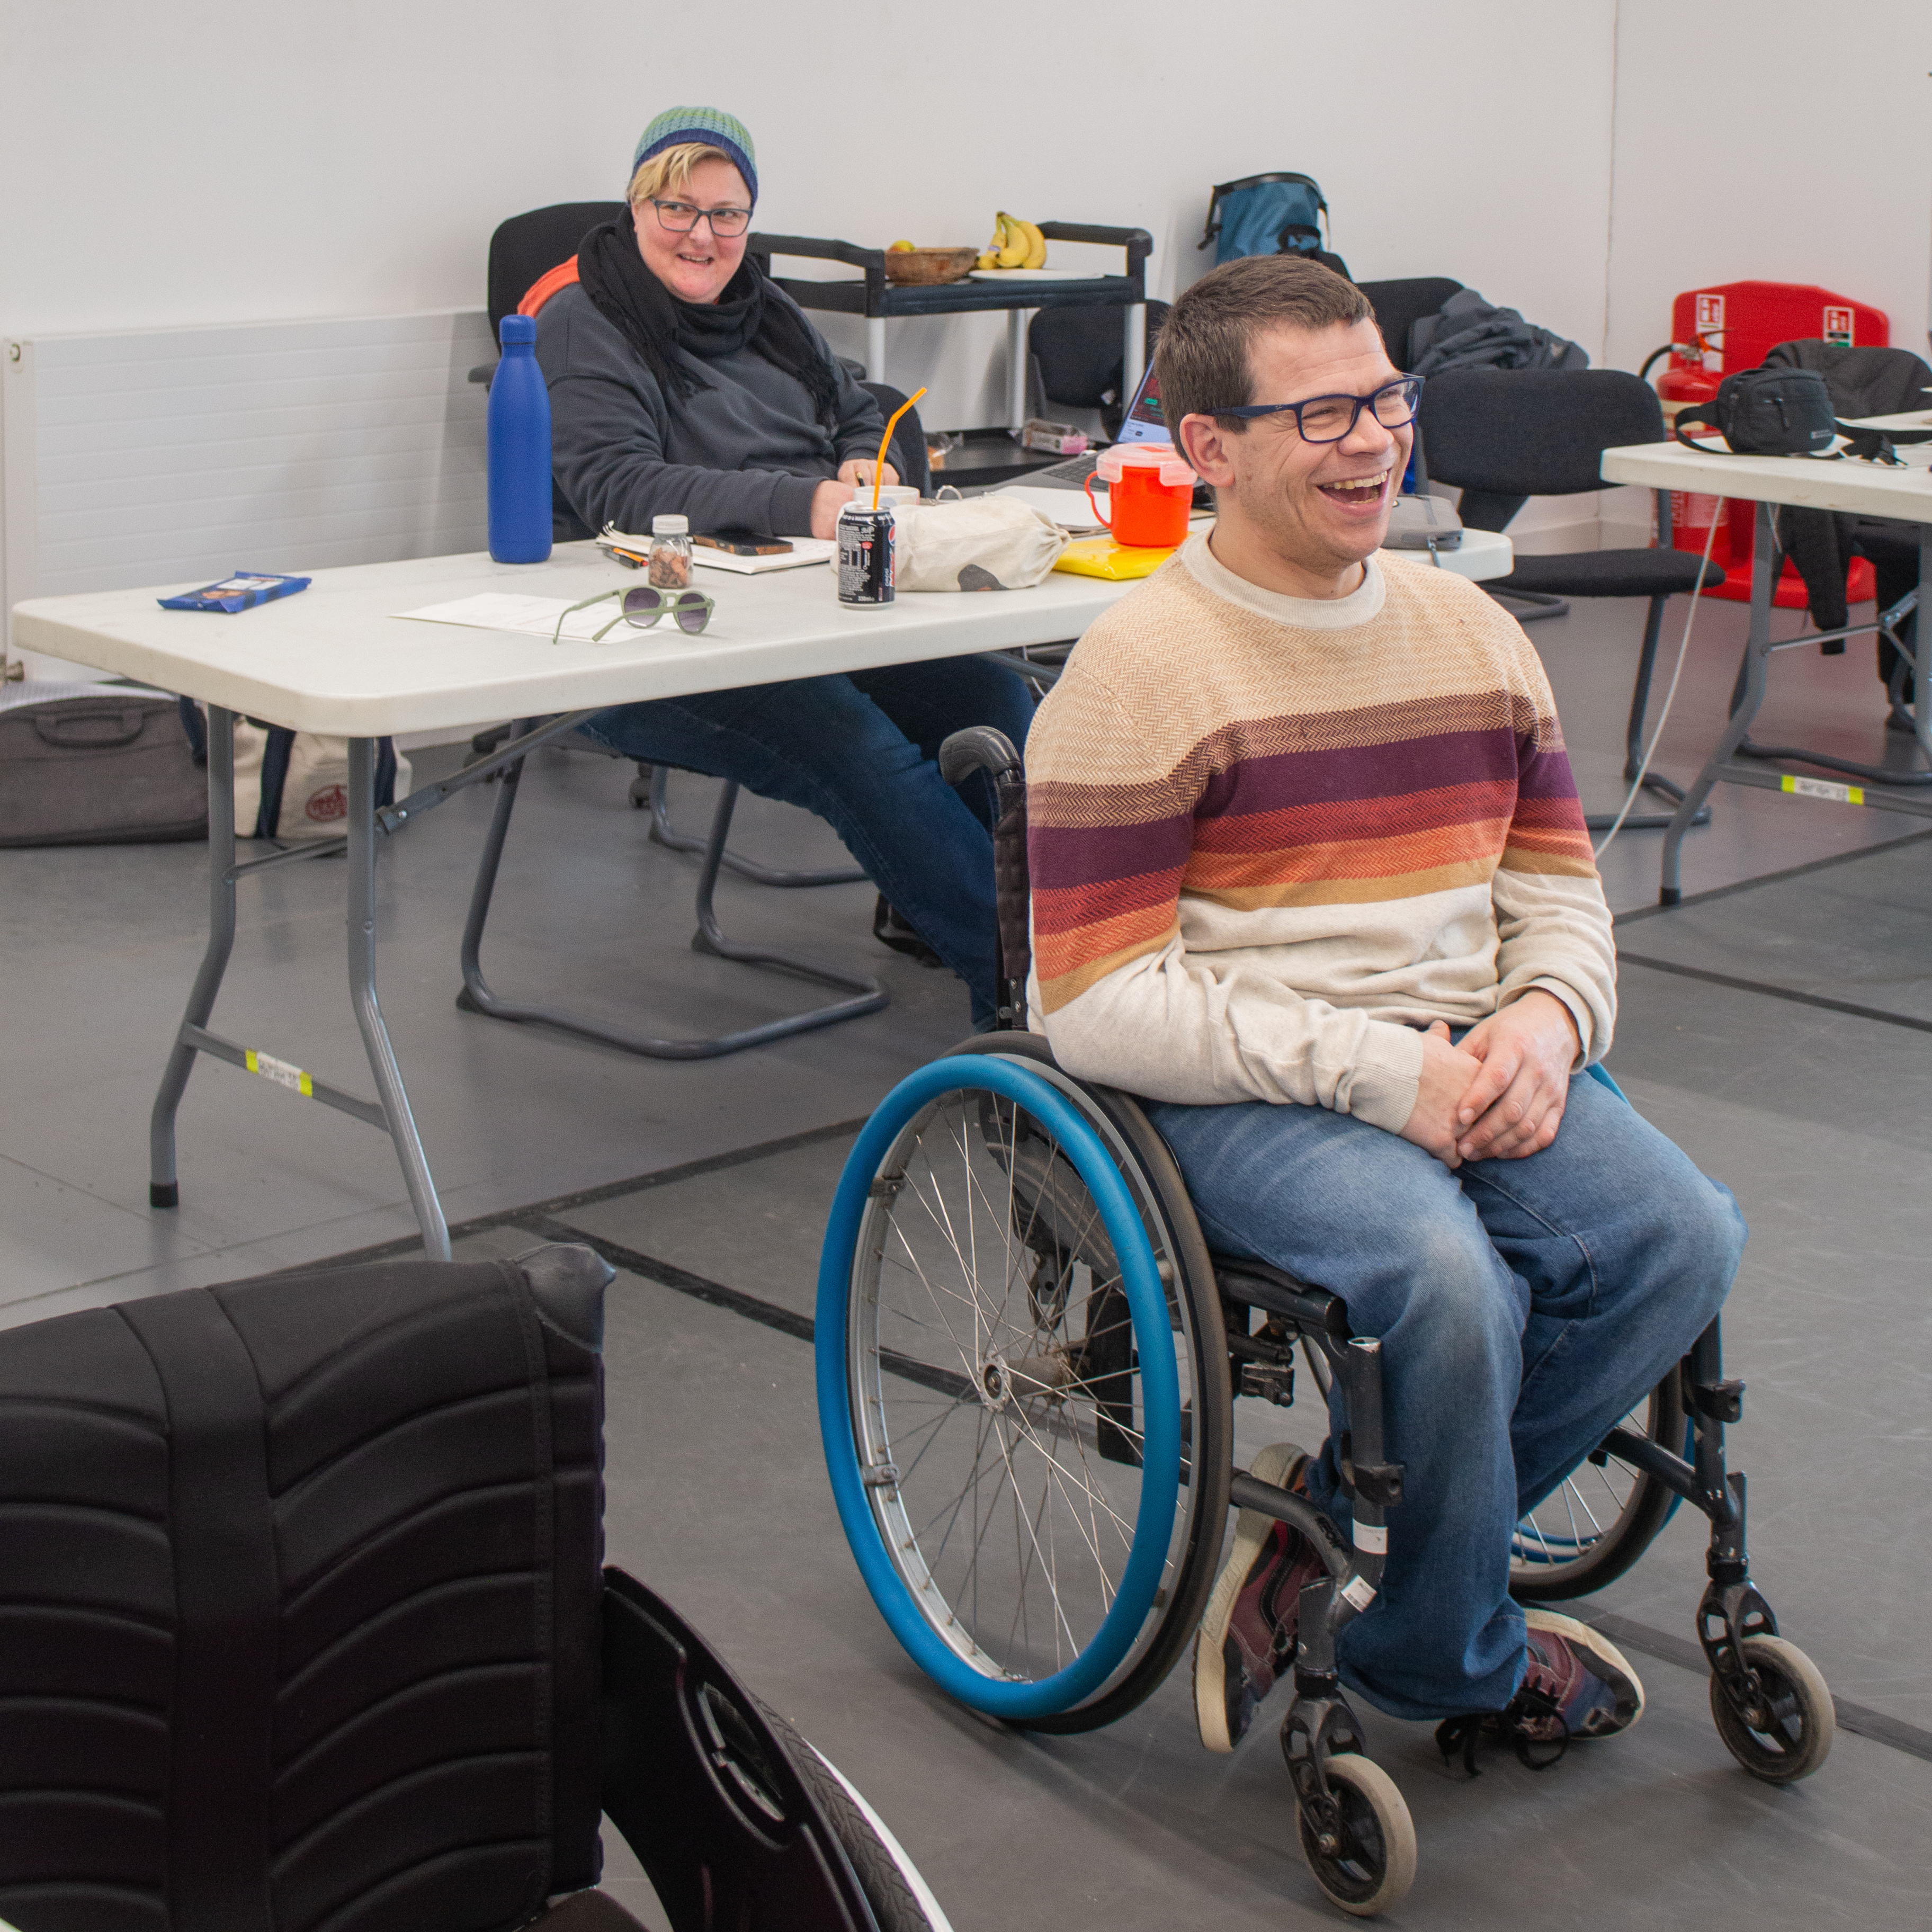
[196, 161]
[203, 161]
[1774, 143]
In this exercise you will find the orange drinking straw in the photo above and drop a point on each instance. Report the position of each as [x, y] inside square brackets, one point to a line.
[879, 468]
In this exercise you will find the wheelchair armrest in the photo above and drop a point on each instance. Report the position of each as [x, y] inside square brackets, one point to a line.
[1280, 1293]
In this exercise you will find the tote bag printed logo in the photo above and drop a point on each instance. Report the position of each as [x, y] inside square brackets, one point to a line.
[325, 806]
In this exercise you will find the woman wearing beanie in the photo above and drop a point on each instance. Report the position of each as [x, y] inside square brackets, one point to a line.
[683, 380]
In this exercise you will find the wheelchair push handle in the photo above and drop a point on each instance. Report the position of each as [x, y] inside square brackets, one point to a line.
[978, 748]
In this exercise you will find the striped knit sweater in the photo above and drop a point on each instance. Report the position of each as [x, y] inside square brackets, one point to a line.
[1271, 838]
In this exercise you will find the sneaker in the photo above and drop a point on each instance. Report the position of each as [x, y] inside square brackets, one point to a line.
[1582, 1680]
[1246, 1636]
[1576, 1683]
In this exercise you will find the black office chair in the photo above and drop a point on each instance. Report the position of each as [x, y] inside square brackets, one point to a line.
[1081, 360]
[1400, 305]
[302, 1624]
[1506, 435]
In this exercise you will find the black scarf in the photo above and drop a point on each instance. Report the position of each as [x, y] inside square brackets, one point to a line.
[651, 319]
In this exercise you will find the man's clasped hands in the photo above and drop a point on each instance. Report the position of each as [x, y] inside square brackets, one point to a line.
[1498, 1092]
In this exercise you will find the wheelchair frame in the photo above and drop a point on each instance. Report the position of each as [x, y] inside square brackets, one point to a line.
[1771, 1706]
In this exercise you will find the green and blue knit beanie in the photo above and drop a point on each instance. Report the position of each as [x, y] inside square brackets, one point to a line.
[710, 125]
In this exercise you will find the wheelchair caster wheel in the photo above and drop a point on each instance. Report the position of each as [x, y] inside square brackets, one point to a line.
[1362, 1854]
[1784, 1732]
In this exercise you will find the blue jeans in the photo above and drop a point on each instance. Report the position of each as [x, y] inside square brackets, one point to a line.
[1523, 1306]
[858, 750]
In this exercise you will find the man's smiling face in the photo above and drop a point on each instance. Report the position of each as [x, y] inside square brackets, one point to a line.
[1318, 508]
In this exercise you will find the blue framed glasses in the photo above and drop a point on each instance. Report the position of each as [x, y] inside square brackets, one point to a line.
[1329, 419]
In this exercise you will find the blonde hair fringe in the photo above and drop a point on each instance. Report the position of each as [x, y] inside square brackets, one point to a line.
[669, 170]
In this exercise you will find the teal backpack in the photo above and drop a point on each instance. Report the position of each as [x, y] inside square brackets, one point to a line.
[1269, 215]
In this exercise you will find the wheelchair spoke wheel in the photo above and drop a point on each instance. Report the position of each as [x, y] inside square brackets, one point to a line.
[1016, 1393]
[1363, 1856]
[1603, 1516]
[1785, 1732]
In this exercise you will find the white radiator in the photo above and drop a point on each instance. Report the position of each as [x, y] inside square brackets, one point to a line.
[165, 454]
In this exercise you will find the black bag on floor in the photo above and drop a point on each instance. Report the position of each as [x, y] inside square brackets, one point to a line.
[302, 1626]
[98, 764]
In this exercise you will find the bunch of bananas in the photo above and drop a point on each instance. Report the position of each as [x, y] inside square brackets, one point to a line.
[1016, 244]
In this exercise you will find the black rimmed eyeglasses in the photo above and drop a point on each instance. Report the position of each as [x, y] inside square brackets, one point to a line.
[681, 218]
[689, 610]
[1329, 419]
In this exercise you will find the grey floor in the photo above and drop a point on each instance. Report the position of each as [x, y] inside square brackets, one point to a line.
[707, 1183]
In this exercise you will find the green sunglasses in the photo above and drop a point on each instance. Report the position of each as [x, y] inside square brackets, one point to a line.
[689, 610]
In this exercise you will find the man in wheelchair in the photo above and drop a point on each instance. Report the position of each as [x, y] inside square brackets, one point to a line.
[1309, 873]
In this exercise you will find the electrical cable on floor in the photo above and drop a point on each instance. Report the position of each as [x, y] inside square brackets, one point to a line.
[1669, 697]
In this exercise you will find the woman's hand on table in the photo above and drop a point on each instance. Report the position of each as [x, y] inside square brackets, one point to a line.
[827, 500]
[858, 469]
[830, 497]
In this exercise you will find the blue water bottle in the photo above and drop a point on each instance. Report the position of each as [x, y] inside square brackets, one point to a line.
[519, 448]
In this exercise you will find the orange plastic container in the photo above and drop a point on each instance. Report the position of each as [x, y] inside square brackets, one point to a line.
[1150, 491]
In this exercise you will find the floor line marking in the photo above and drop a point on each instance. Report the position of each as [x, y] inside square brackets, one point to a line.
[1859, 1719]
[1768, 990]
[737, 1301]
[582, 1197]
[1770, 878]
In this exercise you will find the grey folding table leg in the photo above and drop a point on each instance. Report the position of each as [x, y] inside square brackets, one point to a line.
[392, 1112]
[395, 1103]
[868, 996]
[1921, 647]
[164, 1189]
[1754, 677]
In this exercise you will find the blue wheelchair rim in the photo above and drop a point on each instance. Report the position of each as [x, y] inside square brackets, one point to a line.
[1160, 1467]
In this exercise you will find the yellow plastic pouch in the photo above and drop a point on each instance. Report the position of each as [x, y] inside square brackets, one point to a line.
[1101, 556]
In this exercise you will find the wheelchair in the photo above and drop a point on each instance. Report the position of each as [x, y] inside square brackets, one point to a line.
[1027, 1361]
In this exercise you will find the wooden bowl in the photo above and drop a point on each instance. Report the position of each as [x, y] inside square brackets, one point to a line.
[925, 268]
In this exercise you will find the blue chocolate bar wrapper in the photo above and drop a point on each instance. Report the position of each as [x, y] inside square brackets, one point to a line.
[240, 592]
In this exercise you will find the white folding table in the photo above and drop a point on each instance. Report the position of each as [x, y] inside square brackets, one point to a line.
[1846, 484]
[339, 658]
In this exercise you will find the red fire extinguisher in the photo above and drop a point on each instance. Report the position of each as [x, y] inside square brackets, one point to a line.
[1689, 380]
[1732, 326]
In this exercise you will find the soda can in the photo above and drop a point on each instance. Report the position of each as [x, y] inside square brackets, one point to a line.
[866, 575]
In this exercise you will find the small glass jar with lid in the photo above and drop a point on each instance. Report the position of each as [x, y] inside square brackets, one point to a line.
[668, 565]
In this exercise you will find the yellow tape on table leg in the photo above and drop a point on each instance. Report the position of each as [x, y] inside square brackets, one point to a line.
[280, 1073]
[1839, 794]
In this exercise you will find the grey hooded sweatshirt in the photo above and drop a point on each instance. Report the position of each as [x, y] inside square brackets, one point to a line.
[745, 454]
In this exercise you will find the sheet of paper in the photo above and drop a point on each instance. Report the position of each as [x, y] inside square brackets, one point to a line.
[534, 616]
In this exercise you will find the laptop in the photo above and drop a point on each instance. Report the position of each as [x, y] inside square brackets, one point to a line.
[1145, 421]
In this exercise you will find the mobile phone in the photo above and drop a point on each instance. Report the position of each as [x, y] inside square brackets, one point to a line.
[743, 543]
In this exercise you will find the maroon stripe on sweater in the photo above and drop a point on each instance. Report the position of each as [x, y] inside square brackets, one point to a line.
[1060, 855]
[1364, 771]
